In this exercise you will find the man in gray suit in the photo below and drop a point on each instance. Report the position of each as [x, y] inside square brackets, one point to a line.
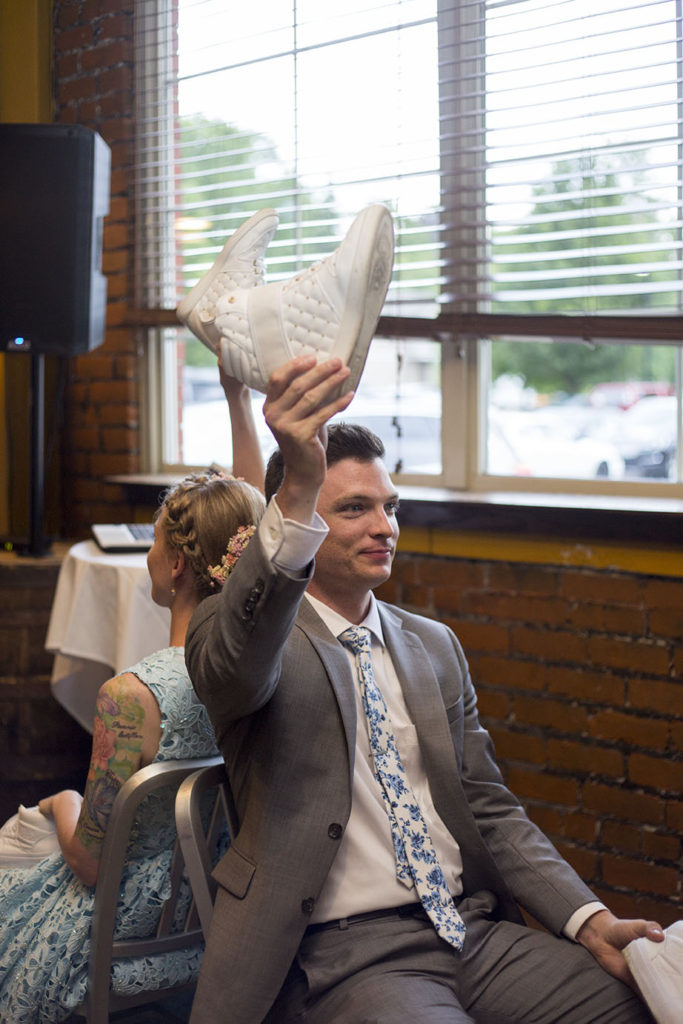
[312, 921]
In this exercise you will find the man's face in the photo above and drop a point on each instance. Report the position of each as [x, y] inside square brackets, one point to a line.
[358, 502]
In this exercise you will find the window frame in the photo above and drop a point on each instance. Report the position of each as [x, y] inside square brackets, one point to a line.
[461, 329]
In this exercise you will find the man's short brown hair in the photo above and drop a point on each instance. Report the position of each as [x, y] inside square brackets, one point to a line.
[344, 441]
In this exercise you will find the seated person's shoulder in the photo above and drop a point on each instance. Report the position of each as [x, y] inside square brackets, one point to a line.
[121, 692]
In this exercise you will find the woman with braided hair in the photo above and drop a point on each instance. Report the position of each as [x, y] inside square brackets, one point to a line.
[148, 713]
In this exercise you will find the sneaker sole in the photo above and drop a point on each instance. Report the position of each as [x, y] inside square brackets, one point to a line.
[369, 284]
[245, 236]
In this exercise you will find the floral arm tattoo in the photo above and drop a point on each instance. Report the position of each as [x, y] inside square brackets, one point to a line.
[116, 755]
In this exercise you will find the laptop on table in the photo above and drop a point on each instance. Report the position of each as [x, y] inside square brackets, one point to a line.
[122, 537]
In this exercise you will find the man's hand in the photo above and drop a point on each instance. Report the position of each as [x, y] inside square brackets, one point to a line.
[302, 396]
[605, 935]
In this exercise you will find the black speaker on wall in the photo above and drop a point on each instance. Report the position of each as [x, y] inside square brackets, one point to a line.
[54, 195]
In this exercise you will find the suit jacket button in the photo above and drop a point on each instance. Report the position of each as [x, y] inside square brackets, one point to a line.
[308, 905]
[335, 831]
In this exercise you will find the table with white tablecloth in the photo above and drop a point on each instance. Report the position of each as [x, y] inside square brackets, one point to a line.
[103, 620]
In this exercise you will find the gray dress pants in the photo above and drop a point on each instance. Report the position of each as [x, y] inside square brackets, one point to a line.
[396, 969]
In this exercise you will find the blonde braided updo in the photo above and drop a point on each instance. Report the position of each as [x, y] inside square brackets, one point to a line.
[201, 513]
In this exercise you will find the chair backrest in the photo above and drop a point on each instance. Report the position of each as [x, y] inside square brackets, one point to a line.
[199, 843]
[100, 999]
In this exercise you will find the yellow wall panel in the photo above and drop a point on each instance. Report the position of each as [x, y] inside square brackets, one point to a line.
[650, 560]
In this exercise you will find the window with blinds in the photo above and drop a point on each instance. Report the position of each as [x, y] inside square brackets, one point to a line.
[582, 157]
[530, 153]
[316, 116]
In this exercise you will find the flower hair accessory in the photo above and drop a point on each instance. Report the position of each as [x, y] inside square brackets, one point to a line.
[222, 474]
[236, 545]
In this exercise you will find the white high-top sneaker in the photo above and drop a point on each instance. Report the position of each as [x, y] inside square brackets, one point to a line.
[26, 838]
[658, 970]
[330, 309]
[240, 265]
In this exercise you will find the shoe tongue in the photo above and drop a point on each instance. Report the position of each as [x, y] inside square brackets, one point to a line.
[267, 330]
[32, 823]
[30, 814]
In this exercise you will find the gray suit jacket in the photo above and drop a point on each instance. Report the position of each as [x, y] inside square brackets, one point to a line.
[279, 691]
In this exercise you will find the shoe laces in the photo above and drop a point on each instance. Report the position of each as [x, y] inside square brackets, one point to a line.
[329, 263]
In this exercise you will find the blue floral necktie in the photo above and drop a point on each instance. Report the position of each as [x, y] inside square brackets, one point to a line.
[416, 861]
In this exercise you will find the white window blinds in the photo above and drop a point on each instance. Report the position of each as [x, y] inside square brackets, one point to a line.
[316, 113]
[582, 165]
[529, 150]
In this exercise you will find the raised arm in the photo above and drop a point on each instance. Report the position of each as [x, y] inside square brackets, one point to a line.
[247, 460]
[234, 640]
[126, 736]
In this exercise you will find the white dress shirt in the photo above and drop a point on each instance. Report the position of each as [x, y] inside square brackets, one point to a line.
[363, 875]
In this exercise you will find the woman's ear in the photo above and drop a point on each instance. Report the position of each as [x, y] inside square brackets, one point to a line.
[178, 566]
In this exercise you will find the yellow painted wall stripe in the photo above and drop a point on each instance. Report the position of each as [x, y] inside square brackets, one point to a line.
[649, 560]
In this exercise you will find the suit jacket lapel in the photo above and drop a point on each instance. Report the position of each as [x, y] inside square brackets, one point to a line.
[414, 671]
[423, 698]
[336, 663]
[425, 705]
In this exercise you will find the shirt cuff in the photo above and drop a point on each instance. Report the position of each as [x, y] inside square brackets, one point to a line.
[579, 918]
[290, 546]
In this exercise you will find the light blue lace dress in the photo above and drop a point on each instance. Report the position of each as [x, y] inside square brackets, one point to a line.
[45, 911]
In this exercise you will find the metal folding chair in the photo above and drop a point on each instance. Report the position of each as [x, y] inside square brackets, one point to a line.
[101, 1000]
[200, 841]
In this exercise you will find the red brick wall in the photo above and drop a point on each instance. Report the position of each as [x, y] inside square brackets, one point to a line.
[589, 738]
[580, 681]
[43, 748]
[94, 86]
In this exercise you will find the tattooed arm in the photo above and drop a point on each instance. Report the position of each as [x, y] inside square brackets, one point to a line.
[125, 737]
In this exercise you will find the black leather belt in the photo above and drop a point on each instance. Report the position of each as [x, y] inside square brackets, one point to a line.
[407, 910]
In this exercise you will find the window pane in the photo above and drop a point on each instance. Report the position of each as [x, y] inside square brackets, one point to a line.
[564, 410]
[269, 115]
[201, 433]
[320, 22]
[529, 151]
[582, 157]
[399, 398]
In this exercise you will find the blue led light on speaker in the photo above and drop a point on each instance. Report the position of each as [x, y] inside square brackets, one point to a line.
[19, 344]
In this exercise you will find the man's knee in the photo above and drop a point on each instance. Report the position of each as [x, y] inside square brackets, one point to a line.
[391, 998]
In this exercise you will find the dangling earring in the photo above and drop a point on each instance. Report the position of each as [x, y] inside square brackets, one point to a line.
[172, 592]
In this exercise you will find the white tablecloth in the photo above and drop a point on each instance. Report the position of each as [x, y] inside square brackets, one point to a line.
[102, 621]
